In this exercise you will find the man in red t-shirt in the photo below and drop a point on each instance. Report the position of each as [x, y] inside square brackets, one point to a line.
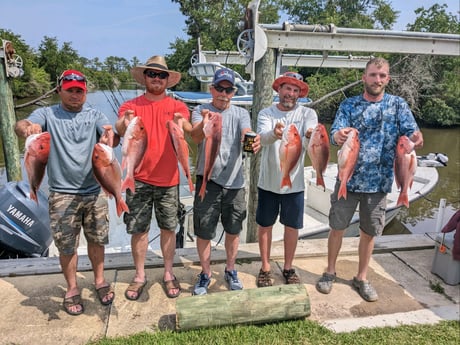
[157, 176]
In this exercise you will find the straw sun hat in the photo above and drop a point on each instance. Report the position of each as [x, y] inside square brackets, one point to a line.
[157, 63]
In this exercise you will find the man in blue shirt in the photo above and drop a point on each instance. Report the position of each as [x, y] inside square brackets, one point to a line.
[380, 119]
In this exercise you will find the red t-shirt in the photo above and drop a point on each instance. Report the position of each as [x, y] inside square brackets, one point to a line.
[159, 166]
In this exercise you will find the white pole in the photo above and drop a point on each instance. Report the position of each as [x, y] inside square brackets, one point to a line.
[440, 217]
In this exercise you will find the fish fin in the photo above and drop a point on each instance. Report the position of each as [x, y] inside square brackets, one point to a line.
[203, 190]
[190, 184]
[286, 182]
[33, 196]
[342, 191]
[128, 183]
[121, 206]
[320, 181]
[403, 199]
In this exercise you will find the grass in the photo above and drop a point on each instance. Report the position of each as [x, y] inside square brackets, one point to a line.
[299, 332]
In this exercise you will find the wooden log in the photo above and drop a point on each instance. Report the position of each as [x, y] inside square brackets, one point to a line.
[251, 306]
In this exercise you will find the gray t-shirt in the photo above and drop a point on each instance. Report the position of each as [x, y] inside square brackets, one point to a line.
[73, 136]
[270, 171]
[228, 167]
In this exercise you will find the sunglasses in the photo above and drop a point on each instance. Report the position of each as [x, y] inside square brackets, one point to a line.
[228, 90]
[153, 74]
[293, 75]
[72, 76]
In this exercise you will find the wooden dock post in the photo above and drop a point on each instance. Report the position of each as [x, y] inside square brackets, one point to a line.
[262, 98]
[251, 306]
[7, 122]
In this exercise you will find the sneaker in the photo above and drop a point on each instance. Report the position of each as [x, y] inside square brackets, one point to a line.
[324, 284]
[231, 277]
[201, 286]
[365, 289]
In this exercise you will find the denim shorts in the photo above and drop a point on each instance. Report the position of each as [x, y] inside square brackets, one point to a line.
[227, 204]
[69, 213]
[165, 201]
[372, 208]
[289, 207]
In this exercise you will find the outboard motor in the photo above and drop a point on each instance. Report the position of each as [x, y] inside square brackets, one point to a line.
[24, 224]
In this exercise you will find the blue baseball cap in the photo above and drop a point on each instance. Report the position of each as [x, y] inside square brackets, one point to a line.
[224, 74]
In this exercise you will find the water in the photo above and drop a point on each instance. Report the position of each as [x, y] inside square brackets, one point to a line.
[421, 216]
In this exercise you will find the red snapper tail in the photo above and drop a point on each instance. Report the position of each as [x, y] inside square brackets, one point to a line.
[403, 199]
[121, 206]
[342, 190]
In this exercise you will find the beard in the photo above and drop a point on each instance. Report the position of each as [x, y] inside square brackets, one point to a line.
[155, 88]
[288, 102]
[374, 90]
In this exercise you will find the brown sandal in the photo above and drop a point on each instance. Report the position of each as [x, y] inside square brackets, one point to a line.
[105, 294]
[73, 301]
[169, 285]
[264, 279]
[137, 288]
[291, 277]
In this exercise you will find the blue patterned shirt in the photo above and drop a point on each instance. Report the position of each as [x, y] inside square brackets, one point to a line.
[380, 124]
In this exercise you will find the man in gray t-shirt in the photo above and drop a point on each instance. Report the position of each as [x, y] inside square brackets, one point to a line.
[75, 201]
[223, 194]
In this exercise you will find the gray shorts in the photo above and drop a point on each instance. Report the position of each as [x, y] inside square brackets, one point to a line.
[141, 203]
[227, 204]
[69, 213]
[372, 208]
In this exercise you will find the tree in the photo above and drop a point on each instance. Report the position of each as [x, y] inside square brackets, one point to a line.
[55, 60]
[342, 13]
[432, 85]
[35, 80]
[216, 24]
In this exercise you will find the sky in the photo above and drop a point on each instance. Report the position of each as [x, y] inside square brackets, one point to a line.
[125, 28]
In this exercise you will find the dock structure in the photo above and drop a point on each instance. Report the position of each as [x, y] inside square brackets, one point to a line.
[400, 270]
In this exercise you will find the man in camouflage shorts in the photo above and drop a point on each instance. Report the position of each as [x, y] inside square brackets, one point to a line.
[75, 201]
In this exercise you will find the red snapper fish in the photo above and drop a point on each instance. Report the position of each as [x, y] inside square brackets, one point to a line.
[290, 151]
[213, 135]
[404, 167]
[37, 149]
[318, 151]
[347, 158]
[107, 172]
[133, 149]
[181, 149]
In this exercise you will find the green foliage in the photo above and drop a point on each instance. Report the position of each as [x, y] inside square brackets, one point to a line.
[436, 112]
[435, 19]
[342, 13]
[53, 59]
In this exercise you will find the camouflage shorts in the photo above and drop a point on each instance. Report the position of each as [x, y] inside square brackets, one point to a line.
[69, 213]
[165, 200]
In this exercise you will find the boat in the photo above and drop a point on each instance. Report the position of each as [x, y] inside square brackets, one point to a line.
[204, 72]
[18, 239]
[317, 201]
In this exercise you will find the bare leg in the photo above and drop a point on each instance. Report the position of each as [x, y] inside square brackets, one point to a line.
[204, 252]
[69, 269]
[334, 243]
[96, 256]
[231, 249]
[265, 242]
[366, 246]
[139, 244]
[168, 249]
[290, 244]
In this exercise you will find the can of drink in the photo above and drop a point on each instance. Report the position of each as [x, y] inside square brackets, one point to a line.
[248, 141]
